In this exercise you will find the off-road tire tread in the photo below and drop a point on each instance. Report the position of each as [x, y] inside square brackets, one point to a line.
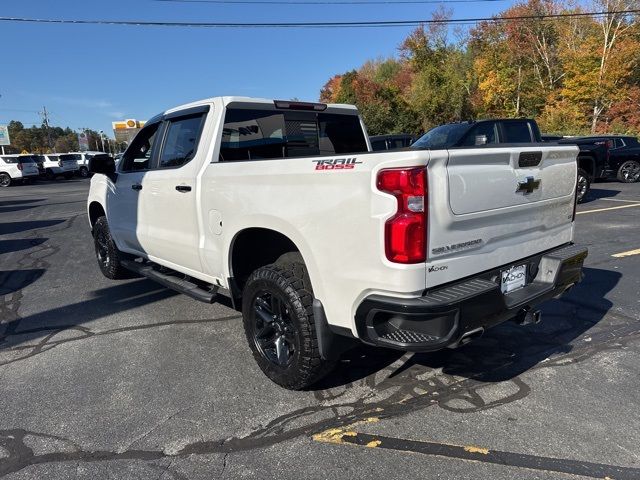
[292, 279]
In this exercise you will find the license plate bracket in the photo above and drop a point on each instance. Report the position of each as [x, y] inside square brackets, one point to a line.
[513, 278]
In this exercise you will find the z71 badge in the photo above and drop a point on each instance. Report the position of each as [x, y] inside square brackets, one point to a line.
[336, 164]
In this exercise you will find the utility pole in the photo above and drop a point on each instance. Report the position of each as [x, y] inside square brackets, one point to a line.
[45, 122]
[102, 139]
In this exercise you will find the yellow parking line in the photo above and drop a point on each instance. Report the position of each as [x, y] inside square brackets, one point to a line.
[618, 200]
[609, 208]
[627, 254]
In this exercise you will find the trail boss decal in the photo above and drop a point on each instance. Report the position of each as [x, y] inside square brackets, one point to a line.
[336, 164]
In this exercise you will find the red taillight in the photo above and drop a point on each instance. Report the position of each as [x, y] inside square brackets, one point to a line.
[19, 166]
[60, 163]
[406, 232]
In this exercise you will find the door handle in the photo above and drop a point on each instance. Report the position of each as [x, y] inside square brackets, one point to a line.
[183, 188]
[136, 186]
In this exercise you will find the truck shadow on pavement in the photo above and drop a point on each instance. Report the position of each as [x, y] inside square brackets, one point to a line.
[599, 193]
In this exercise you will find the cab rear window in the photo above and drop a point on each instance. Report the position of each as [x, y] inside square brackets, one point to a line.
[259, 134]
[517, 132]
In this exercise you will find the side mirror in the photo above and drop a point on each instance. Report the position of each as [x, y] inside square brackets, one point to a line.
[103, 164]
[481, 139]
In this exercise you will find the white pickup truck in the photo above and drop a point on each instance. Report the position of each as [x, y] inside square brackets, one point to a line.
[321, 242]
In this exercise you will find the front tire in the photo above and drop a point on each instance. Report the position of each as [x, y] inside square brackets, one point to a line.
[629, 171]
[583, 185]
[83, 172]
[279, 325]
[107, 253]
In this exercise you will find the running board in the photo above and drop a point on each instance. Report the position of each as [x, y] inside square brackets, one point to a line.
[172, 281]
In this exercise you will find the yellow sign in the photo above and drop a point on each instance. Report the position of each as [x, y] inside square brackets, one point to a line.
[126, 124]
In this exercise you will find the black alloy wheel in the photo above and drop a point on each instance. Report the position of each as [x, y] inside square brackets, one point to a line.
[582, 185]
[274, 332]
[629, 171]
[107, 253]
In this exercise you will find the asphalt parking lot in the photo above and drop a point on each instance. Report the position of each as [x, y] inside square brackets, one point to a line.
[104, 379]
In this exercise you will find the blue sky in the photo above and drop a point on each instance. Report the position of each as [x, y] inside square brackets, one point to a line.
[90, 75]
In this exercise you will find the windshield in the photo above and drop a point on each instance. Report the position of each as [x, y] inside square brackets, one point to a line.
[70, 156]
[444, 136]
[28, 159]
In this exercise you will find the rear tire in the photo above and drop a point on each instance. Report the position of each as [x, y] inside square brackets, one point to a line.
[107, 253]
[49, 175]
[5, 180]
[629, 171]
[279, 325]
[83, 172]
[583, 185]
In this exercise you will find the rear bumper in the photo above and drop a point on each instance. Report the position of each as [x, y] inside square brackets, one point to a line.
[444, 315]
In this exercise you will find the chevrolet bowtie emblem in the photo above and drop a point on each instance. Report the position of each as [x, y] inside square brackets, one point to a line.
[528, 186]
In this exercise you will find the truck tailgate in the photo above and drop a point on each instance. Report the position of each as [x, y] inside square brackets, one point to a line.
[492, 206]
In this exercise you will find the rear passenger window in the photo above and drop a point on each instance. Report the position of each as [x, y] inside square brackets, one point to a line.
[181, 141]
[482, 134]
[516, 132]
[253, 134]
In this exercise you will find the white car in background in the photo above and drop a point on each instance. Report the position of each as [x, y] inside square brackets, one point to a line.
[57, 164]
[17, 168]
[83, 161]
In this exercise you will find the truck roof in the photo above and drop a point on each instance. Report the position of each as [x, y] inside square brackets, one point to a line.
[258, 101]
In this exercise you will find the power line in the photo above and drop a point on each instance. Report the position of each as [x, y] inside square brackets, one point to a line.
[375, 23]
[324, 2]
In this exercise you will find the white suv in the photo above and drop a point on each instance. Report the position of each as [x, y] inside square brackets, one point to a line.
[83, 161]
[17, 168]
[56, 164]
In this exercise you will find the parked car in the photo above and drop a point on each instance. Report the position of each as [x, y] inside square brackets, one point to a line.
[321, 243]
[17, 168]
[391, 142]
[623, 160]
[58, 164]
[83, 161]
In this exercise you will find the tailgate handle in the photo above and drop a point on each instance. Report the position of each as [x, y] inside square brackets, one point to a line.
[183, 188]
[529, 159]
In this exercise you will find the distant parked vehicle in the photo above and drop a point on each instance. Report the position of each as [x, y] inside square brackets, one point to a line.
[624, 157]
[17, 168]
[621, 157]
[83, 161]
[59, 164]
[391, 142]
